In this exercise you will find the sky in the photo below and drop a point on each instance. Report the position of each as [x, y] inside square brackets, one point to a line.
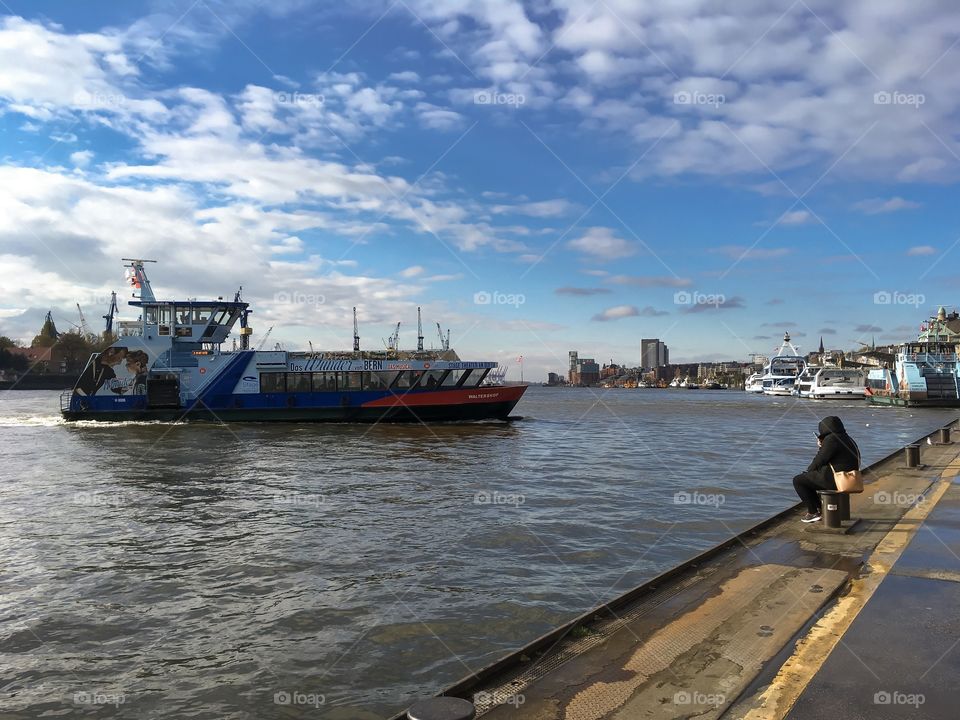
[538, 176]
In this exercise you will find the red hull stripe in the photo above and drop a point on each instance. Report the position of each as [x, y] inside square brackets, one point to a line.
[456, 396]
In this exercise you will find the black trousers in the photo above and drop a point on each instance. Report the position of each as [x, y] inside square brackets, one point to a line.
[807, 483]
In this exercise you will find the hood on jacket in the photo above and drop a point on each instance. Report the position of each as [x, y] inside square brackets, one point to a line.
[831, 424]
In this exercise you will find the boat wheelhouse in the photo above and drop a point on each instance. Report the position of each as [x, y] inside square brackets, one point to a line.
[781, 372]
[170, 365]
[924, 372]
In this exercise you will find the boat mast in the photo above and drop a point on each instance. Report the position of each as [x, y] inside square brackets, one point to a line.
[245, 330]
[139, 279]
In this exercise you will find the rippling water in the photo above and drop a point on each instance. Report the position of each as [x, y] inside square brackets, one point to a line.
[260, 571]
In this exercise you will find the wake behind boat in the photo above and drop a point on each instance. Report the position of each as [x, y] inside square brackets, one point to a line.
[169, 365]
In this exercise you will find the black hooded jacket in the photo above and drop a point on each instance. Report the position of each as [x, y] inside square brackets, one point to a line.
[837, 447]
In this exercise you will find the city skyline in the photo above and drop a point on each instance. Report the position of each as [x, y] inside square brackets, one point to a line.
[535, 176]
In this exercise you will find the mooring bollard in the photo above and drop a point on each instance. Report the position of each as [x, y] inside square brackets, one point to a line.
[913, 455]
[832, 512]
[944, 438]
[843, 499]
[442, 708]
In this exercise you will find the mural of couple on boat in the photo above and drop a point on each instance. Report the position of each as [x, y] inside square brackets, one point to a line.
[117, 370]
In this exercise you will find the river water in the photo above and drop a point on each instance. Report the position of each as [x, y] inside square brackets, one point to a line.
[261, 571]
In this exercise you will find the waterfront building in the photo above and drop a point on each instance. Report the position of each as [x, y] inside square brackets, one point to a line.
[653, 353]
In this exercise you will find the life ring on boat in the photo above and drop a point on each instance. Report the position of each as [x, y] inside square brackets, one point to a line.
[426, 366]
[203, 371]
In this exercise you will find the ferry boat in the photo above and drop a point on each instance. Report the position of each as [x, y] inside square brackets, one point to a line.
[170, 365]
[781, 372]
[824, 382]
[925, 373]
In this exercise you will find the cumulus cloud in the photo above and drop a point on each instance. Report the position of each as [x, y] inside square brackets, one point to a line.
[601, 243]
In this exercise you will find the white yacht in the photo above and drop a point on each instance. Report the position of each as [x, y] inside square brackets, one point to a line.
[754, 383]
[832, 382]
[781, 372]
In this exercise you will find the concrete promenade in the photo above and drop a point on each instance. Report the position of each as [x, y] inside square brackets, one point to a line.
[788, 620]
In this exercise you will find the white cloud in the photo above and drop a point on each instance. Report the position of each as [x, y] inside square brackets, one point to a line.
[438, 118]
[876, 206]
[616, 313]
[922, 250]
[796, 217]
[81, 158]
[602, 244]
[407, 76]
[412, 271]
[540, 209]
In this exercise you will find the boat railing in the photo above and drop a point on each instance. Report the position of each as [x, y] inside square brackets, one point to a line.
[930, 358]
[65, 398]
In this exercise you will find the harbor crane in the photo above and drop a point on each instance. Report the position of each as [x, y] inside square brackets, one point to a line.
[84, 328]
[111, 311]
[356, 332]
[419, 332]
[393, 342]
[264, 340]
[444, 341]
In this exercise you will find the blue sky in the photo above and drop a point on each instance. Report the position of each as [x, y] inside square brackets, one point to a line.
[539, 176]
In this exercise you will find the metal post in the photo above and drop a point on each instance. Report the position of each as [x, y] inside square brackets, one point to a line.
[913, 455]
[944, 436]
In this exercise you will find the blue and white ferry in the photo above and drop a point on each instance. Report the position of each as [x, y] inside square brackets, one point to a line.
[170, 365]
[924, 372]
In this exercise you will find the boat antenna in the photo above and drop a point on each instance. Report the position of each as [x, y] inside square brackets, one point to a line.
[356, 332]
[419, 332]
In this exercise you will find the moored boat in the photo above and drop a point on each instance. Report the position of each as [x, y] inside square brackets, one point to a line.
[925, 372]
[170, 365]
[831, 382]
[781, 372]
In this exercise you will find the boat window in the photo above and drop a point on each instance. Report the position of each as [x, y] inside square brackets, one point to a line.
[452, 378]
[221, 316]
[324, 382]
[415, 376]
[201, 314]
[463, 378]
[403, 380]
[182, 314]
[165, 313]
[150, 313]
[350, 380]
[483, 375]
[378, 380]
[431, 379]
[184, 331]
[272, 382]
[298, 382]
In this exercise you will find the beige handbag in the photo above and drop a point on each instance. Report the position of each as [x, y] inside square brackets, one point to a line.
[848, 481]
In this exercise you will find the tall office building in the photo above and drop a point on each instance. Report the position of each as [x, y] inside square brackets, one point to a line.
[653, 354]
[572, 365]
